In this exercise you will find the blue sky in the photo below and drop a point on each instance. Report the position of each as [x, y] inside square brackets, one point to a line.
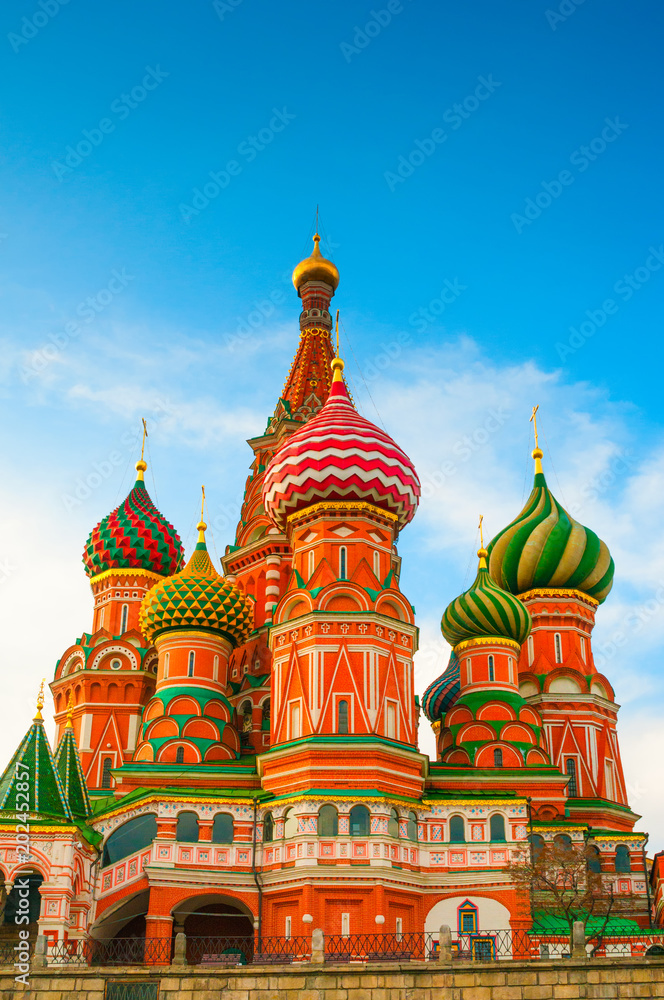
[488, 177]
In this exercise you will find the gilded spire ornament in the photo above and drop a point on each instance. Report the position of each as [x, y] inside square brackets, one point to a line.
[537, 453]
[40, 702]
[142, 465]
[70, 713]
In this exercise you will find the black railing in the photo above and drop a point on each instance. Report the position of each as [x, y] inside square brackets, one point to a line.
[117, 951]
[417, 945]
[220, 950]
[525, 945]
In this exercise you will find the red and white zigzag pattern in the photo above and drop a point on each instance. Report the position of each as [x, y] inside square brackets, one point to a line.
[339, 455]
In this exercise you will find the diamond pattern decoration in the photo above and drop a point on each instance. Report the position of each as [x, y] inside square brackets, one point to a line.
[134, 536]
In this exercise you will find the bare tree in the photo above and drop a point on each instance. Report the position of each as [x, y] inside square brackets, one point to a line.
[565, 880]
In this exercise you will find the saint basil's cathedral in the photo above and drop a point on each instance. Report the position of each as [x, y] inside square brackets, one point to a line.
[237, 746]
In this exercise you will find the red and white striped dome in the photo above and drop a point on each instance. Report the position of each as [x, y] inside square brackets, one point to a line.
[339, 455]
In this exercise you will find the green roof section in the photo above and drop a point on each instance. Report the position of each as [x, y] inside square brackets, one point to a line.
[485, 610]
[68, 766]
[33, 765]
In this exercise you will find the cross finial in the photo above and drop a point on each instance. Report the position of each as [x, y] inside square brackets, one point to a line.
[40, 702]
[201, 524]
[70, 712]
[481, 532]
[142, 465]
[533, 420]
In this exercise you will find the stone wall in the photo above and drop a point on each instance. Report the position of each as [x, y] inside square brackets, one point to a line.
[603, 979]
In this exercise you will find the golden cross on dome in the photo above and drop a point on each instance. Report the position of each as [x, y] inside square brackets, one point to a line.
[142, 465]
[145, 434]
[533, 420]
[40, 702]
[481, 532]
[337, 326]
[201, 526]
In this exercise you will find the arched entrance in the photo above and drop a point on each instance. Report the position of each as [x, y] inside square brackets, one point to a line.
[215, 926]
[24, 897]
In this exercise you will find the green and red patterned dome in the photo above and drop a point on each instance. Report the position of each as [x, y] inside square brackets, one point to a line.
[545, 547]
[135, 536]
[485, 611]
[197, 598]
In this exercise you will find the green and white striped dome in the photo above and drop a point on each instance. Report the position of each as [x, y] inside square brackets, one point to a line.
[485, 610]
[545, 547]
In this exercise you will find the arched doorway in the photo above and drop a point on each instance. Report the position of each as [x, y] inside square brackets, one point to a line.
[215, 926]
[17, 903]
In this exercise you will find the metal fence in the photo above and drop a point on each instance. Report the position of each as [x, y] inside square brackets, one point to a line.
[417, 945]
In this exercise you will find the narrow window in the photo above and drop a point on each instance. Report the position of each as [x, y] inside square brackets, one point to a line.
[457, 830]
[399, 928]
[106, 772]
[268, 828]
[342, 562]
[572, 787]
[469, 671]
[536, 845]
[511, 667]
[294, 722]
[498, 757]
[222, 829]
[376, 558]
[593, 860]
[393, 824]
[491, 671]
[559, 647]
[582, 643]
[287, 927]
[623, 862]
[608, 775]
[101, 618]
[123, 618]
[167, 659]
[467, 915]
[342, 717]
[497, 827]
[290, 823]
[186, 830]
[391, 720]
[345, 924]
[190, 668]
[215, 669]
[412, 826]
[531, 650]
[328, 821]
[179, 755]
[265, 714]
[312, 565]
[359, 821]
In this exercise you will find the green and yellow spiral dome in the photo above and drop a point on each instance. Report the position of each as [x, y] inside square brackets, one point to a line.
[545, 547]
[485, 611]
[197, 598]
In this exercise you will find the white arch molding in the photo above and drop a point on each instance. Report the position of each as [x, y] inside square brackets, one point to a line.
[491, 915]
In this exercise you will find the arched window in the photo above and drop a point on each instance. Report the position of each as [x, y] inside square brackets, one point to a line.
[215, 669]
[222, 829]
[497, 827]
[393, 824]
[572, 787]
[594, 860]
[129, 838]
[536, 845]
[247, 716]
[491, 671]
[123, 618]
[268, 828]
[511, 668]
[265, 714]
[531, 650]
[179, 755]
[582, 644]
[412, 826]
[328, 821]
[167, 663]
[559, 647]
[457, 830]
[563, 842]
[498, 757]
[190, 667]
[187, 828]
[106, 772]
[342, 716]
[342, 562]
[312, 563]
[290, 823]
[623, 862]
[359, 821]
[376, 561]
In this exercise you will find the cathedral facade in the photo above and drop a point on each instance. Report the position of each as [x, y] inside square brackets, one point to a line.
[237, 746]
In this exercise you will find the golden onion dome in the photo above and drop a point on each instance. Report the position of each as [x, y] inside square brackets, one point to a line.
[316, 268]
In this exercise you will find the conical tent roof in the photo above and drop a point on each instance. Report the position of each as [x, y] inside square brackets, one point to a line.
[70, 772]
[33, 764]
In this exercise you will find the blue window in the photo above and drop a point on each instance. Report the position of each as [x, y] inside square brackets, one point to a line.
[467, 915]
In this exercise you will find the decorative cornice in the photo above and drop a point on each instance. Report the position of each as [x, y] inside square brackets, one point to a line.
[125, 573]
[555, 593]
[487, 641]
[332, 505]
